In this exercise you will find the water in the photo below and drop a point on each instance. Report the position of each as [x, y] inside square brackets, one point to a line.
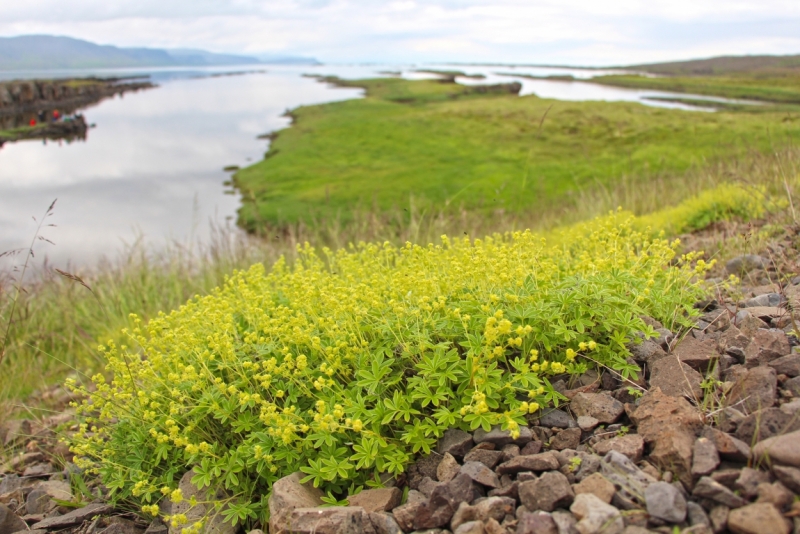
[152, 168]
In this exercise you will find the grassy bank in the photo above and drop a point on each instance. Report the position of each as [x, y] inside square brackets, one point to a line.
[445, 147]
[58, 321]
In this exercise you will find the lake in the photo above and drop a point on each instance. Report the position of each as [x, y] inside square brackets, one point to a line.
[152, 167]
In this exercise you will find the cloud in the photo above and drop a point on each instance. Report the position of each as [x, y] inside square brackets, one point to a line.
[533, 31]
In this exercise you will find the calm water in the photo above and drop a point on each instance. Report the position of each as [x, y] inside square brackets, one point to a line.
[152, 166]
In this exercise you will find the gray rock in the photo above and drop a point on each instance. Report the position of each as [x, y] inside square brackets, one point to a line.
[602, 407]
[705, 457]
[9, 522]
[555, 418]
[793, 386]
[665, 502]
[776, 494]
[757, 518]
[748, 481]
[590, 464]
[791, 408]
[631, 481]
[550, 491]
[568, 438]
[782, 449]
[766, 346]
[488, 458]
[500, 437]
[530, 448]
[787, 365]
[214, 520]
[332, 520]
[470, 527]
[729, 447]
[481, 474]
[377, 499]
[407, 513]
[287, 494]
[456, 442]
[754, 390]
[767, 299]
[448, 468]
[511, 451]
[384, 523]
[38, 502]
[443, 503]
[675, 378]
[546, 461]
[565, 522]
[648, 351]
[719, 518]
[707, 488]
[696, 353]
[537, 523]
[490, 508]
[75, 517]
[157, 526]
[741, 265]
[765, 424]
[595, 516]
[789, 476]
[427, 485]
[696, 515]
[587, 423]
[631, 445]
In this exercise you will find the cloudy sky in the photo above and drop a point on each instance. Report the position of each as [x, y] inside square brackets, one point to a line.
[585, 32]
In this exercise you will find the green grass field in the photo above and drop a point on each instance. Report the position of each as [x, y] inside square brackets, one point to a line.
[443, 146]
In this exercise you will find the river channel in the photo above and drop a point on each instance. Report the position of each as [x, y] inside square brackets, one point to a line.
[152, 167]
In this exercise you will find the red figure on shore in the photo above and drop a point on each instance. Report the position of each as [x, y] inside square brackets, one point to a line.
[33, 122]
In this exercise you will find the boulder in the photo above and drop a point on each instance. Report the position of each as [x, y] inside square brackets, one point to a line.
[631, 481]
[728, 447]
[288, 493]
[9, 521]
[443, 503]
[456, 442]
[698, 354]
[665, 502]
[754, 390]
[601, 406]
[488, 458]
[765, 424]
[757, 518]
[676, 378]
[537, 523]
[707, 488]
[331, 520]
[782, 449]
[377, 500]
[787, 365]
[384, 523]
[766, 346]
[481, 474]
[555, 418]
[568, 438]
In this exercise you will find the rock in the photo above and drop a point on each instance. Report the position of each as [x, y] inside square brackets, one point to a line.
[332, 520]
[287, 494]
[500, 437]
[705, 457]
[793, 386]
[766, 299]
[118, 525]
[481, 474]
[565, 522]
[384, 523]
[733, 342]
[456, 442]
[757, 518]
[754, 390]
[787, 365]
[790, 476]
[631, 445]
[569, 438]
[765, 424]
[587, 423]
[537, 523]
[555, 418]
[530, 448]
[9, 522]
[426, 466]
[490, 508]
[728, 447]
[405, 514]
[38, 502]
[726, 477]
[698, 354]
[665, 502]
[648, 351]
[766, 346]
[776, 494]
[471, 527]
[696, 515]
[377, 500]
[427, 485]
[512, 451]
[602, 407]
[448, 468]
[157, 526]
[707, 488]
[545, 461]
[782, 449]
[595, 516]
[75, 517]
[488, 458]
[748, 480]
[15, 431]
[675, 378]
[214, 520]
[741, 265]
[443, 503]
[623, 473]
[548, 492]
[598, 485]
[719, 518]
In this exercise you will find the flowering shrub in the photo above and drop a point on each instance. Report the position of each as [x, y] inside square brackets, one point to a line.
[347, 364]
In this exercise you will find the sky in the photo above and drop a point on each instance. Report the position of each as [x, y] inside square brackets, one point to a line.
[574, 32]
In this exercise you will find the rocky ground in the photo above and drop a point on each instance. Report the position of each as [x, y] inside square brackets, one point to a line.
[706, 441]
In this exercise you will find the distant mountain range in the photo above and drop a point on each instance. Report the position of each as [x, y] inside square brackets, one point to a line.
[33, 52]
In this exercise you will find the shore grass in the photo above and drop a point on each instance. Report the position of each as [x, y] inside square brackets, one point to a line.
[777, 87]
[60, 318]
[452, 149]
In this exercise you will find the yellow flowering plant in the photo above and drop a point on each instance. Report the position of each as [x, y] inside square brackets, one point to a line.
[348, 364]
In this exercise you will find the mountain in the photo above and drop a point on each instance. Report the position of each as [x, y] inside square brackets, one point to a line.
[33, 52]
